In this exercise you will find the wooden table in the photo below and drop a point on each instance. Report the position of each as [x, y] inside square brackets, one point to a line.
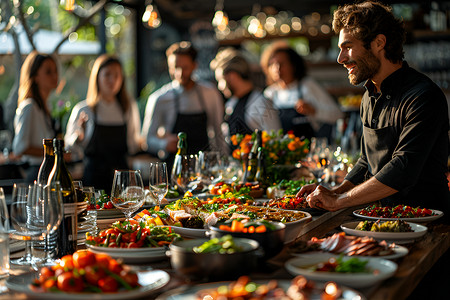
[411, 268]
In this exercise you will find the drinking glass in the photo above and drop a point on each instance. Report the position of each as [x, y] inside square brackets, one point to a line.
[20, 219]
[90, 196]
[159, 182]
[127, 192]
[46, 209]
[209, 167]
[4, 237]
[184, 173]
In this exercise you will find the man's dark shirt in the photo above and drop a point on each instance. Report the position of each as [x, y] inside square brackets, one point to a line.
[412, 112]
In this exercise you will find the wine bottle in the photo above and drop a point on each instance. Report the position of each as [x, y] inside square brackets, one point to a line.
[44, 173]
[67, 231]
[252, 165]
[261, 172]
[47, 163]
[177, 163]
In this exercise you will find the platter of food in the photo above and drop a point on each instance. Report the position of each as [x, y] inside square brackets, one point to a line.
[399, 212]
[349, 245]
[301, 289]
[149, 280]
[103, 278]
[355, 272]
[417, 231]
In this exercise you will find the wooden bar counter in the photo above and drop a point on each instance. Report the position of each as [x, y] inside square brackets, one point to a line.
[412, 268]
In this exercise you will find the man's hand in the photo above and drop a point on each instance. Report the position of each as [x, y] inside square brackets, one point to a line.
[323, 198]
[306, 190]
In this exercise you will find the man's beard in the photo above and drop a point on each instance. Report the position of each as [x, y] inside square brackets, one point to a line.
[367, 66]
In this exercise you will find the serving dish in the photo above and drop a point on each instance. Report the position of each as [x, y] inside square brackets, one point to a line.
[132, 255]
[190, 292]
[418, 232]
[150, 281]
[200, 266]
[437, 215]
[302, 266]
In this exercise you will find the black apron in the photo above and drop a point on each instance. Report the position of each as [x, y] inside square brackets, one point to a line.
[194, 125]
[236, 121]
[107, 151]
[293, 121]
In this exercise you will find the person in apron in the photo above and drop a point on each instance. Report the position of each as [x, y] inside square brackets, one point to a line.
[405, 144]
[106, 151]
[105, 128]
[183, 105]
[304, 106]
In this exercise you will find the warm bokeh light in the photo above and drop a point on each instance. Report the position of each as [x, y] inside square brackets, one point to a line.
[151, 17]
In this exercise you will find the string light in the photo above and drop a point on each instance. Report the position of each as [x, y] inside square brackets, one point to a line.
[220, 20]
[151, 17]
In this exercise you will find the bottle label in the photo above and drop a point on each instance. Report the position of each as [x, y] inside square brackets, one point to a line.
[70, 214]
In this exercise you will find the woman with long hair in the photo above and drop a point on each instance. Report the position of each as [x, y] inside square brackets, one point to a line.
[33, 121]
[105, 126]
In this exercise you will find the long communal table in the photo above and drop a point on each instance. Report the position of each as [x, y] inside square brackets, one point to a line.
[412, 268]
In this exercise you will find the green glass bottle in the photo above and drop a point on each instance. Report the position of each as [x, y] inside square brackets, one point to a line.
[67, 231]
[252, 165]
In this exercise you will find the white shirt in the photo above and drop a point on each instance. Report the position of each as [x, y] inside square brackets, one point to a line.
[259, 112]
[108, 113]
[327, 110]
[160, 113]
[31, 126]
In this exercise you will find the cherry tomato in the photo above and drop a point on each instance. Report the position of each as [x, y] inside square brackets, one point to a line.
[67, 282]
[67, 262]
[46, 273]
[83, 258]
[133, 245]
[94, 274]
[115, 266]
[102, 260]
[49, 283]
[130, 277]
[108, 284]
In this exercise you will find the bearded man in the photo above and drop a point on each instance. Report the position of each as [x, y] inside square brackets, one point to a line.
[405, 141]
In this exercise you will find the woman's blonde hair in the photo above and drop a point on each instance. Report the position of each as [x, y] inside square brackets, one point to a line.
[93, 93]
[27, 86]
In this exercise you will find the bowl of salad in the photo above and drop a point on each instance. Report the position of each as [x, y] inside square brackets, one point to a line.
[270, 235]
[214, 259]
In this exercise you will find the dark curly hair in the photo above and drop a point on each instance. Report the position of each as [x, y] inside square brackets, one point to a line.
[368, 19]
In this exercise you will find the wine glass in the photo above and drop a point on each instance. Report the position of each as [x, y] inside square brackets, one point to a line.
[159, 182]
[184, 173]
[19, 220]
[209, 167]
[127, 192]
[91, 199]
[46, 209]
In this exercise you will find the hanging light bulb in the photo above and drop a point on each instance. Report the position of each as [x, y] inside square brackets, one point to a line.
[151, 17]
[220, 20]
[255, 25]
[68, 4]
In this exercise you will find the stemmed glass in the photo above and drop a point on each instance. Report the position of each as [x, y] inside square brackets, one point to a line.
[159, 182]
[19, 220]
[209, 167]
[184, 173]
[127, 192]
[46, 211]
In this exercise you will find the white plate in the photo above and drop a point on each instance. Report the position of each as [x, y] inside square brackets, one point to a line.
[301, 265]
[132, 255]
[398, 251]
[420, 219]
[150, 281]
[189, 292]
[418, 231]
